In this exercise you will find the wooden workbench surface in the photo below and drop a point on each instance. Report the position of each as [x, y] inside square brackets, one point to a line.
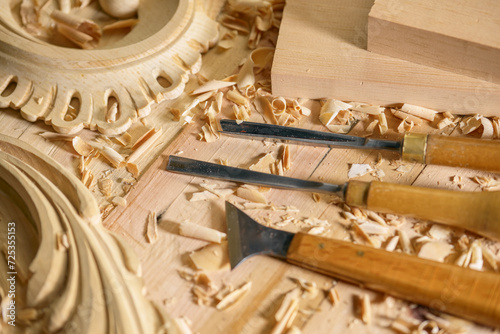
[168, 195]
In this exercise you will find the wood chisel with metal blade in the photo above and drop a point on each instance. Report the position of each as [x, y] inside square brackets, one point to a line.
[474, 211]
[460, 291]
[416, 147]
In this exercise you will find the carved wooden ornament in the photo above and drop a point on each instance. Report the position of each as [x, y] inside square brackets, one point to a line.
[72, 89]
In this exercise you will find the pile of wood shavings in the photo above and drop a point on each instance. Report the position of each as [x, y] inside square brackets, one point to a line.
[71, 23]
[114, 160]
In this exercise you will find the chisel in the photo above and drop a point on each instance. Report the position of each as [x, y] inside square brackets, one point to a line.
[415, 147]
[474, 211]
[448, 288]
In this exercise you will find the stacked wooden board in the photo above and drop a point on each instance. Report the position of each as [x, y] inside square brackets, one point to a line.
[322, 52]
[458, 36]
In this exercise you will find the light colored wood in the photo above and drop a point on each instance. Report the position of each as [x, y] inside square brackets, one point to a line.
[459, 36]
[321, 52]
[463, 152]
[168, 194]
[477, 212]
[465, 292]
[149, 64]
[92, 271]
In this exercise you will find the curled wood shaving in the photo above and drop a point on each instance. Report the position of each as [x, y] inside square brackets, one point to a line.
[421, 112]
[470, 124]
[196, 231]
[212, 85]
[382, 124]
[234, 23]
[82, 147]
[258, 60]
[152, 228]
[330, 111]
[405, 126]
[476, 260]
[233, 297]
[234, 96]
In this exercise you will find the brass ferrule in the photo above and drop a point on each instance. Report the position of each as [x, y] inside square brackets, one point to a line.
[414, 147]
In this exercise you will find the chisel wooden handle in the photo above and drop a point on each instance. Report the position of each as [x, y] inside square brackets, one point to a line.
[474, 211]
[472, 153]
[464, 292]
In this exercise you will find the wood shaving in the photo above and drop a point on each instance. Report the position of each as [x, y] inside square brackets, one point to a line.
[366, 309]
[212, 85]
[382, 124]
[152, 228]
[234, 23]
[435, 250]
[421, 112]
[105, 186]
[316, 197]
[212, 257]
[406, 116]
[264, 164]
[183, 325]
[476, 260]
[83, 32]
[439, 232]
[372, 228]
[145, 146]
[233, 297]
[358, 170]
[221, 192]
[490, 258]
[251, 193]
[112, 156]
[285, 322]
[333, 296]
[488, 130]
[241, 113]
[119, 201]
[53, 136]
[82, 147]
[263, 106]
[121, 24]
[234, 96]
[203, 196]
[196, 231]
[392, 244]
[366, 108]
[487, 183]
[470, 124]
[405, 242]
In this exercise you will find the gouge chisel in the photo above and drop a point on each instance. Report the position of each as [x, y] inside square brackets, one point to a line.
[416, 147]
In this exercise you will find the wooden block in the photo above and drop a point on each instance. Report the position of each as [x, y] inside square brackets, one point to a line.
[461, 36]
[321, 52]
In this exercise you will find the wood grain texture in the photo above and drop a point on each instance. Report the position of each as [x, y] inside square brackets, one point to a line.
[477, 212]
[321, 52]
[463, 152]
[150, 64]
[459, 36]
[465, 292]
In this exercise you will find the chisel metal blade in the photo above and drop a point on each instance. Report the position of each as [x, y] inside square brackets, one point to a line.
[304, 136]
[210, 170]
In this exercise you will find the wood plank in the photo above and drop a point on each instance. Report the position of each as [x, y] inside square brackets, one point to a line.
[459, 36]
[321, 52]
